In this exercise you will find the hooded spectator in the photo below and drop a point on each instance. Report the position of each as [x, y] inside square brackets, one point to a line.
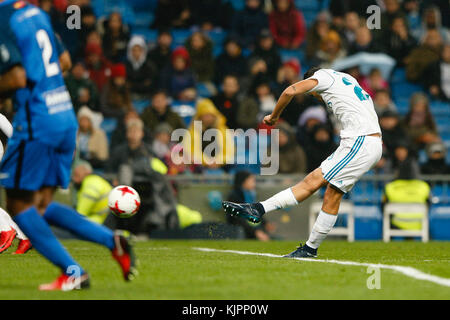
[178, 79]
[399, 42]
[98, 66]
[419, 122]
[200, 51]
[141, 72]
[292, 158]
[115, 99]
[219, 150]
[92, 144]
[287, 24]
[115, 38]
[432, 20]
[160, 112]
[248, 23]
[436, 164]
[352, 22]
[311, 117]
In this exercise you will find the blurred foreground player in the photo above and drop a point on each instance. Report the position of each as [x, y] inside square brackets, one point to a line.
[360, 149]
[39, 153]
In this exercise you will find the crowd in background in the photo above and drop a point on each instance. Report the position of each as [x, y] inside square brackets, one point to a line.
[112, 68]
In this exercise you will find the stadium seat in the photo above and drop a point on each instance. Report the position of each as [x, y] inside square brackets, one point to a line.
[441, 193]
[405, 89]
[180, 36]
[368, 222]
[307, 5]
[287, 54]
[366, 192]
[186, 110]
[148, 5]
[440, 222]
[398, 75]
[109, 125]
[140, 105]
[151, 36]
[237, 4]
[143, 19]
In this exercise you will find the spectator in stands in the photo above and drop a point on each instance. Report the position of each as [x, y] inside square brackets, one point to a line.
[160, 55]
[248, 23]
[364, 42]
[338, 9]
[92, 144]
[399, 42]
[240, 111]
[412, 11]
[287, 24]
[316, 33]
[436, 164]
[141, 72]
[264, 96]
[115, 99]
[178, 79]
[392, 11]
[81, 89]
[99, 68]
[330, 50]
[311, 117]
[231, 61]
[266, 50]
[163, 147]
[432, 20]
[115, 38]
[404, 155]
[244, 190]
[200, 49]
[419, 122]
[88, 23]
[292, 158]
[392, 130]
[373, 82]
[92, 192]
[382, 101]
[211, 14]
[119, 135]
[172, 14]
[160, 112]
[213, 154]
[437, 79]
[352, 23]
[423, 56]
[320, 146]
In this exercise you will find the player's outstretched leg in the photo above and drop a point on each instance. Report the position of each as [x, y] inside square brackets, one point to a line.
[7, 222]
[323, 225]
[69, 219]
[286, 198]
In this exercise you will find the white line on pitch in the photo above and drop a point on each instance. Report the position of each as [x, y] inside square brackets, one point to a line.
[407, 271]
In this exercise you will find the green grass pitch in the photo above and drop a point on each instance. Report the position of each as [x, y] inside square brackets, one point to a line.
[174, 270]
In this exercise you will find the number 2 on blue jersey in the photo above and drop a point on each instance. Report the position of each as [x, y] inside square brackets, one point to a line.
[51, 68]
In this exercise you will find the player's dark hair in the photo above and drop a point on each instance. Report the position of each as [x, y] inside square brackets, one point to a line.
[310, 72]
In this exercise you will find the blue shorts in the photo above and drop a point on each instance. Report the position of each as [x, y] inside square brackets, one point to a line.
[33, 164]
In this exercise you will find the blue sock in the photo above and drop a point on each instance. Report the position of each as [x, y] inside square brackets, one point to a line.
[69, 219]
[43, 240]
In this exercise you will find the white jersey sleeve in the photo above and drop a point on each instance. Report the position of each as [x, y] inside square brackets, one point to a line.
[351, 105]
[324, 79]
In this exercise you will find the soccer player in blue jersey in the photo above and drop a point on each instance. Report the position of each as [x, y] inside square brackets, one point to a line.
[40, 152]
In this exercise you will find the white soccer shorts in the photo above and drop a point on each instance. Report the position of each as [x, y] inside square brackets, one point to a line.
[351, 160]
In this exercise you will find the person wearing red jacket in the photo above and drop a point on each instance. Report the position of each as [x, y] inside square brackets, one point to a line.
[287, 24]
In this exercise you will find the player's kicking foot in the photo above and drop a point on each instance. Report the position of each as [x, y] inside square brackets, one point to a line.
[6, 239]
[67, 283]
[23, 247]
[303, 251]
[247, 211]
[123, 254]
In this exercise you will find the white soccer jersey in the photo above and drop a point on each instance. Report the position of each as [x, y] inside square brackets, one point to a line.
[351, 105]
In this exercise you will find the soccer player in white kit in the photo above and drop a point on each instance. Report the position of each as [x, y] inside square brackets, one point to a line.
[360, 149]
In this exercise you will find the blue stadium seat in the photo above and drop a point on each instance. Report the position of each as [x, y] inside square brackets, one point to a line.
[398, 76]
[405, 89]
[287, 54]
[186, 110]
[422, 156]
[368, 222]
[366, 192]
[237, 4]
[307, 5]
[140, 105]
[440, 222]
[441, 193]
[148, 5]
[143, 19]
[440, 108]
[180, 36]
[151, 36]
[310, 16]
[217, 37]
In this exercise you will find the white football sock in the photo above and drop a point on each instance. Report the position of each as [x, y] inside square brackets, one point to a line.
[281, 200]
[323, 225]
[9, 222]
[4, 222]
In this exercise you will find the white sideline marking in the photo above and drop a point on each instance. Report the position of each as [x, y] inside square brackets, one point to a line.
[407, 271]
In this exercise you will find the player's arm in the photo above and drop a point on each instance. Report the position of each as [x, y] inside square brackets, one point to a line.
[290, 92]
[13, 79]
[65, 61]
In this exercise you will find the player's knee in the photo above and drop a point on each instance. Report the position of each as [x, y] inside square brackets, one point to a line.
[18, 200]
